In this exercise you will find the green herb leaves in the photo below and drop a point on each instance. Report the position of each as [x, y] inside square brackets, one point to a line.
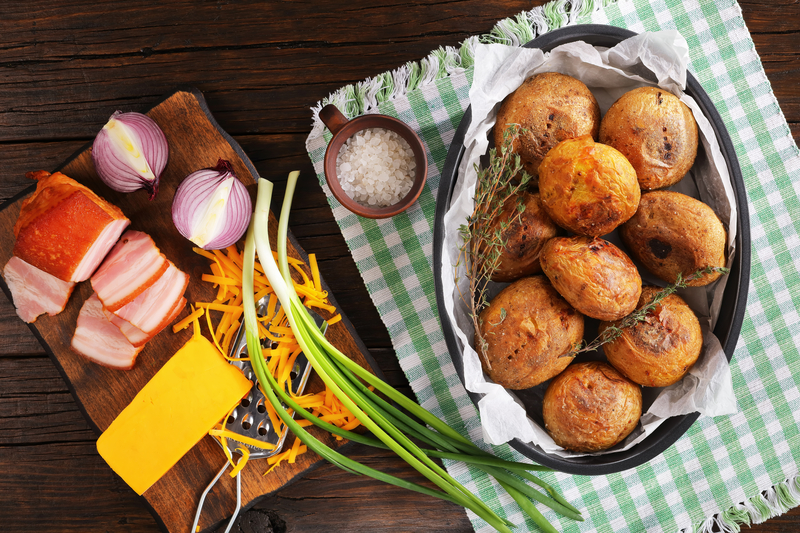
[640, 315]
[483, 237]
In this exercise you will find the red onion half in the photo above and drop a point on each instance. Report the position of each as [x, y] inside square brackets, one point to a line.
[130, 153]
[212, 208]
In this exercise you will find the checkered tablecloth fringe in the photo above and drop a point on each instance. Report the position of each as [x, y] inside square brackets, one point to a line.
[725, 471]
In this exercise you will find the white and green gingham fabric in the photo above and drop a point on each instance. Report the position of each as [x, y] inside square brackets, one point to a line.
[725, 471]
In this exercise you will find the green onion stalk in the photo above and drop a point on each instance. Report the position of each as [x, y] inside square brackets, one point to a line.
[391, 427]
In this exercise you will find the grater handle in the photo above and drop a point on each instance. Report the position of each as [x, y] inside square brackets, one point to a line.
[238, 501]
[205, 493]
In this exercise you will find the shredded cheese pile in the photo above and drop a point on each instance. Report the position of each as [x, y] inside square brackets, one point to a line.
[226, 276]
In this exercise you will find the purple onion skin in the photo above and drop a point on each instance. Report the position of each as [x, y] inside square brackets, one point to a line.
[192, 194]
[116, 173]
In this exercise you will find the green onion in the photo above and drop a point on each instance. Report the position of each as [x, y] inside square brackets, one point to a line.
[265, 377]
[391, 427]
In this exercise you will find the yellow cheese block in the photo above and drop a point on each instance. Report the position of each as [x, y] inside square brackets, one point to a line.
[193, 391]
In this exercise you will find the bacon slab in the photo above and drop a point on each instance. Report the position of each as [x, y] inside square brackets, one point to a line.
[64, 228]
[35, 291]
[133, 266]
[99, 340]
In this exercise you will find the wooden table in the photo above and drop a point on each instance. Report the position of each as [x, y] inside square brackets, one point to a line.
[67, 65]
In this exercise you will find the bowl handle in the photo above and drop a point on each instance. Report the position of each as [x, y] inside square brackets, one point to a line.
[333, 118]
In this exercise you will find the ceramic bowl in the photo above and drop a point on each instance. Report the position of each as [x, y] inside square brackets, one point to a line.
[342, 129]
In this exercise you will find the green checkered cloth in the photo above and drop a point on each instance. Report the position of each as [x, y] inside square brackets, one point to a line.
[725, 471]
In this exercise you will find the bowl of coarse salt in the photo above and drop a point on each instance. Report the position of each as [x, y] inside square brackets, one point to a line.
[375, 165]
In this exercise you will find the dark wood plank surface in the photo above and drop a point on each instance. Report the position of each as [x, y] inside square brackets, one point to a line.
[66, 66]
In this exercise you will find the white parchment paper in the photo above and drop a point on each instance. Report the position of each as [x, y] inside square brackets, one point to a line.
[658, 58]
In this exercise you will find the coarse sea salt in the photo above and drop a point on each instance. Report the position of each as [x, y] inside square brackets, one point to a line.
[376, 167]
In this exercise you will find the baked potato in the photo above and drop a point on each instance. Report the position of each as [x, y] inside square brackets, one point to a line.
[656, 132]
[524, 233]
[588, 188]
[672, 234]
[551, 107]
[593, 275]
[526, 329]
[591, 407]
[660, 350]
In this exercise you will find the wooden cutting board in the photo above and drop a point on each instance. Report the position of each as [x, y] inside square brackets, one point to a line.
[195, 141]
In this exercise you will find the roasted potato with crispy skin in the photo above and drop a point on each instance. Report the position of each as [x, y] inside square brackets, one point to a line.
[551, 107]
[672, 234]
[659, 351]
[591, 407]
[524, 235]
[588, 188]
[656, 132]
[593, 275]
[526, 329]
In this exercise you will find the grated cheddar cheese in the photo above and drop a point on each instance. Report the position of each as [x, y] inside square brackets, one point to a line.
[226, 277]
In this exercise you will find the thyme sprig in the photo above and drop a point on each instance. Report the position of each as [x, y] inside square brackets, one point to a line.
[483, 240]
[613, 331]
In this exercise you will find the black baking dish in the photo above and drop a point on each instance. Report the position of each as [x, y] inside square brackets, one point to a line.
[731, 315]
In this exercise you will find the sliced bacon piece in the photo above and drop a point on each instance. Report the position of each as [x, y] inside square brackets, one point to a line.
[64, 228]
[136, 336]
[99, 340]
[133, 265]
[179, 306]
[35, 291]
[151, 310]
